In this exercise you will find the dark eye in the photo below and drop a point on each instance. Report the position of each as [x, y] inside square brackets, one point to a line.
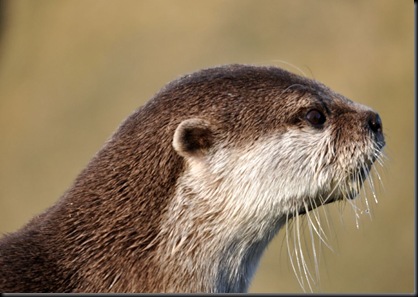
[315, 118]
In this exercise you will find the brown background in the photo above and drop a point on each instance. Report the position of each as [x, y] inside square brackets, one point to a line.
[71, 71]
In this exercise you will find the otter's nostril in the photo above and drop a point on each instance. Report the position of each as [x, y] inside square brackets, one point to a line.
[375, 123]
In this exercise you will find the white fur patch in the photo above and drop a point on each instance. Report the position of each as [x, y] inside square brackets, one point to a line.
[229, 205]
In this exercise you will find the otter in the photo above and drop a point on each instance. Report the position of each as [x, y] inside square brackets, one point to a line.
[191, 188]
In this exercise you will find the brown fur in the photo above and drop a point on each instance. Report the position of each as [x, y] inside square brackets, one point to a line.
[101, 235]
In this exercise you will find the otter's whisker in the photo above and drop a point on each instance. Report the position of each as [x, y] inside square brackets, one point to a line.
[314, 250]
[325, 210]
[292, 65]
[329, 225]
[318, 230]
[314, 206]
[372, 189]
[359, 187]
[341, 206]
[376, 172]
[366, 200]
[299, 258]
[356, 210]
[322, 237]
[298, 278]
[304, 264]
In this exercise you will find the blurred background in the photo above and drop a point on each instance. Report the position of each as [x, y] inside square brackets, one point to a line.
[72, 71]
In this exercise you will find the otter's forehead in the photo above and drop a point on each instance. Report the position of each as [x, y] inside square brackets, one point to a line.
[236, 89]
[246, 86]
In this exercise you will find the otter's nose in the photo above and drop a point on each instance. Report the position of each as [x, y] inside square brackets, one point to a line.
[374, 123]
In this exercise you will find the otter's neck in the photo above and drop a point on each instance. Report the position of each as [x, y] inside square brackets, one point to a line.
[203, 250]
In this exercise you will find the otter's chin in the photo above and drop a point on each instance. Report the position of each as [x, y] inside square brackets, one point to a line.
[350, 195]
[303, 210]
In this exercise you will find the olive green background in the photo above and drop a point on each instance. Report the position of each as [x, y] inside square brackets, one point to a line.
[71, 71]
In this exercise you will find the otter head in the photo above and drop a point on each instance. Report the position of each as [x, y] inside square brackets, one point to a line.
[259, 146]
[266, 138]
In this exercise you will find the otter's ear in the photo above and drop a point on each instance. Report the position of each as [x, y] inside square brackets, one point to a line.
[193, 137]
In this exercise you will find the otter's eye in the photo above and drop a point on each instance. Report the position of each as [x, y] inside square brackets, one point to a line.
[315, 118]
